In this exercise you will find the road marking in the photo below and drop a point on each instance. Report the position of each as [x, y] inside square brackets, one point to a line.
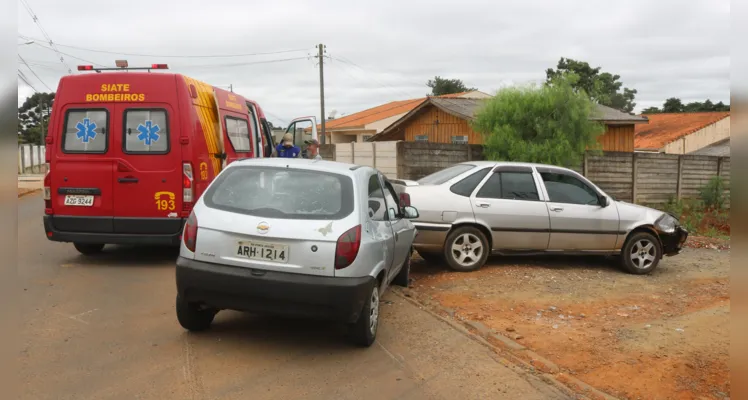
[76, 316]
[190, 371]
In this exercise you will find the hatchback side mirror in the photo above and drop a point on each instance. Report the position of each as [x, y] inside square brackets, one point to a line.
[410, 212]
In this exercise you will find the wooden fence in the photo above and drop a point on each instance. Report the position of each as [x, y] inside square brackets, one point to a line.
[644, 178]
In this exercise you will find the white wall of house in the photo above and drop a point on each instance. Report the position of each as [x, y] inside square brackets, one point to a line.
[380, 125]
[704, 137]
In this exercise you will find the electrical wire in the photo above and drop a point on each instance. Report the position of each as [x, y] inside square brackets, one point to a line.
[44, 32]
[26, 81]
[176, 56]
[33, 72]
[241, 64]
[71, 56]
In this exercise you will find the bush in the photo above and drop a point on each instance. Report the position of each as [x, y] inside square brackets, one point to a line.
[713, 194]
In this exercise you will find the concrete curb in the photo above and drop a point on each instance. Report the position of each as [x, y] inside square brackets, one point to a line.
[30, 191]
[510, 351]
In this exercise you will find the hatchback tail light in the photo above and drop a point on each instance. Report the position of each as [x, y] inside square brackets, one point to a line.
[404, 199]
[347, 247]
[188, 190]
[189, 234]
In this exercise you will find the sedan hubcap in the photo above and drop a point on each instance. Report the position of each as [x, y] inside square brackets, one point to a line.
[643, 254]
[467, 249]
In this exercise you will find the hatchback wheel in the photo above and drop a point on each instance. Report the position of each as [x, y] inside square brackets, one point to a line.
[364, 330]
[192, 317]
[89, 248]
[641, 254]
[466, 249]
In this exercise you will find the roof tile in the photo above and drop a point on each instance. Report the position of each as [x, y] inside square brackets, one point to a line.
[663, 129]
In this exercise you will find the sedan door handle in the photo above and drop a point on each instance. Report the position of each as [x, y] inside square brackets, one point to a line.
[129, 179]
[482, 204]
[556, 208]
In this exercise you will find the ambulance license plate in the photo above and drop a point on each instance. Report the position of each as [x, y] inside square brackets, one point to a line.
[79, 200]
[262, 251]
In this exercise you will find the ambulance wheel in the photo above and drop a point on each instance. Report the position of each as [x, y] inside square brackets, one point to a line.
[89, 248]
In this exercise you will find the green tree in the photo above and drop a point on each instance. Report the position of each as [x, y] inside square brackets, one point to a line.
[441, 86]
[33, 113]
[651, 110]
[602, 87]
[673, 105]
[547, 124]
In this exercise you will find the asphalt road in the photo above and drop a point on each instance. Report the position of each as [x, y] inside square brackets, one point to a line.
[104, 327]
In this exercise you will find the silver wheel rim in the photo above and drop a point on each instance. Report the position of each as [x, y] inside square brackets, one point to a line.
[467, 249]
[643, 254]
[374, 310]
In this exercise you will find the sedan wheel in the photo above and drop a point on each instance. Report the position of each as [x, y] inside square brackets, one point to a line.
[466, 249]
[641, 254]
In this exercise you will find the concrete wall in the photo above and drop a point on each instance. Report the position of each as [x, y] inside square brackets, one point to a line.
[30, 158]
[644, 178]
[704, 137]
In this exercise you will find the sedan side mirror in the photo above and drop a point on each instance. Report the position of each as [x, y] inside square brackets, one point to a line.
[410, 212]
[604, 201]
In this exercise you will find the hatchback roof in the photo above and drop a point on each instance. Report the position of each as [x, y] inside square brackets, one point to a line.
[314, 165]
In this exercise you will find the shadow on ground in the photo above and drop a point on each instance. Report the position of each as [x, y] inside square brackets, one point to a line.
[121, 256]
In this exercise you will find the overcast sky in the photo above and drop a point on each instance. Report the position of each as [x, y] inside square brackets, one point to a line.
[386, 51]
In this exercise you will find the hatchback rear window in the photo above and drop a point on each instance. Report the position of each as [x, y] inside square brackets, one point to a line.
[282, 193]
[86, 131]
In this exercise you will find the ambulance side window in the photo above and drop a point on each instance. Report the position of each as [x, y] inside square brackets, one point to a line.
[86, 131]
[146, 131]
[238, 131]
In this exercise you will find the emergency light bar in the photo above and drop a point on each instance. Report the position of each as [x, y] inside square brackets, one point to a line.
[91, 68]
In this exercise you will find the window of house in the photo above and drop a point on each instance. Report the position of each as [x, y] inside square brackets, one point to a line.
[568, 189]
[467, 185]
[365, 138]
[146, 131]
[238, 132]
[509, 186]
[422, 138]
[460, 139]
[86, 131]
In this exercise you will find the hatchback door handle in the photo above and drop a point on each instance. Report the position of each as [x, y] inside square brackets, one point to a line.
[129, 179]
[556, 208]
[482, 204]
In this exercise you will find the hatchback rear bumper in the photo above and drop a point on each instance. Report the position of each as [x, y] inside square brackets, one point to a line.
[271, 292]
[92, 230]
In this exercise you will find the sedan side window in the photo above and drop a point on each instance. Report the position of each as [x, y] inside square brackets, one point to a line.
[467, 185]
[568, 189]
[510, 186]
[377, 205]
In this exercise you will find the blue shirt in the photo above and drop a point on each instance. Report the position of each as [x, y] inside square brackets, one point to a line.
[287, 152]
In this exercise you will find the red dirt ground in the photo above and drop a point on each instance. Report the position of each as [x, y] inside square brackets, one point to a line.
[659, 336]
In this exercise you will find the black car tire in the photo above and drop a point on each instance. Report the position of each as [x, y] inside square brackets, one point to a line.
[637, 257]
[457, 236]
[432, 258]
[403, 277]
[193, 318]
[89, 248]
[361, 331]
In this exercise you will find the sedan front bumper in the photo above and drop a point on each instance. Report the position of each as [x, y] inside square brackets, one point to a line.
[672, 243]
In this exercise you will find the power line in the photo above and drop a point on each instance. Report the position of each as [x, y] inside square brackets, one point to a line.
[241, 64]
[71, 56]
[177, 56]
[32, 71]
[26, 81]
[44, 32]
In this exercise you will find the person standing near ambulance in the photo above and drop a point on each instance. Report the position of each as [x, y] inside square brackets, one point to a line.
[312, 150]
[286, 148]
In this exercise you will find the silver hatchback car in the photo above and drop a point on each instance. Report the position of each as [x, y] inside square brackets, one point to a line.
[475, 208]
[294, 237]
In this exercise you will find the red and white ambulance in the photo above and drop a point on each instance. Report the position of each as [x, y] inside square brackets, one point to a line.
[129, 152]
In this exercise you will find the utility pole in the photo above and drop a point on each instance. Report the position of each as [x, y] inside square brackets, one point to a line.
[41, 111]
[321, 54]
[231, 87]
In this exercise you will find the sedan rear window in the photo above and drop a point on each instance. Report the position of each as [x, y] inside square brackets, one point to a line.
[282, 193]
[437, 178]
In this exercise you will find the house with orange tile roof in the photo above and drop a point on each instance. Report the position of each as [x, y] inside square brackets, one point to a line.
[683, 133]
[362, 125]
